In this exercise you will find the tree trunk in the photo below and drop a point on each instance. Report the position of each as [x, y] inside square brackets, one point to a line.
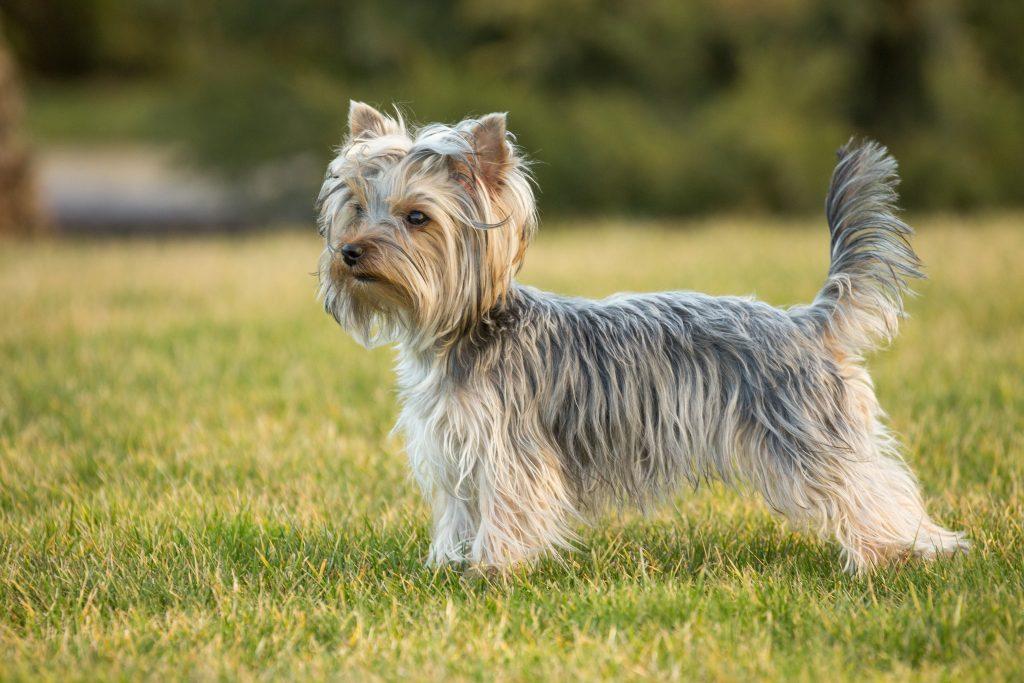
[20, 212]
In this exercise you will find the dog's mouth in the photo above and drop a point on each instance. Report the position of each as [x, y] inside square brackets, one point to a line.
[365, 278]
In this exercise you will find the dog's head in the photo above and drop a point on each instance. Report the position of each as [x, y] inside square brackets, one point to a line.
[424, 229]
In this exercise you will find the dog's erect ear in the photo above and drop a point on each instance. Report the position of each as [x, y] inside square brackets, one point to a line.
[492, 153]
[366, 122]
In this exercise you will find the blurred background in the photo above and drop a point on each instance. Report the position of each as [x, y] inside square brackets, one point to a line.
[156, 115]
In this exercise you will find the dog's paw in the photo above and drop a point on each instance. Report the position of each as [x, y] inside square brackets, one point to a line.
[482, 573]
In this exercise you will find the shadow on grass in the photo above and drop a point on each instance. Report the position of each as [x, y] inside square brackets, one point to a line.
[391, 554]
[205, 559]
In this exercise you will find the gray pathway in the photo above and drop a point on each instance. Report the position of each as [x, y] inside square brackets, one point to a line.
[133, 190]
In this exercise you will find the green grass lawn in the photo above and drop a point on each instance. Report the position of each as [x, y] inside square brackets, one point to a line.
[196, 481]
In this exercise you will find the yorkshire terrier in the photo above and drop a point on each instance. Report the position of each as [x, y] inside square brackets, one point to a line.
[524, 411]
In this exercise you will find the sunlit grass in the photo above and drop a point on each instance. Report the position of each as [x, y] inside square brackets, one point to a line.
[196, 481]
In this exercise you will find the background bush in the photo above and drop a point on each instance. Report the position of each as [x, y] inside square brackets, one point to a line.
[649, 106]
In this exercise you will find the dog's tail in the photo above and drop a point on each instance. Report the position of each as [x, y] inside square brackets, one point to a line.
[862, 301]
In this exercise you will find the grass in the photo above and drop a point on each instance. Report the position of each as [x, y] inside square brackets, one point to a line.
[197, 482]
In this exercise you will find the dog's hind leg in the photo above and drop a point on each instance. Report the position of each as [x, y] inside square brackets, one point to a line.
[876, 513]
[871, 504]
[884, 514]
[861, 494]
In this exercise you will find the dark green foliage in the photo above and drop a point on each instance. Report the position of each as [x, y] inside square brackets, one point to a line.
[655, 106]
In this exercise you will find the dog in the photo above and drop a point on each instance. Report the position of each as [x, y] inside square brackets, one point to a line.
[525, 412]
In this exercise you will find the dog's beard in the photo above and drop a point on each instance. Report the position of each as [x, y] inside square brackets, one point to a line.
[369, 307]
[415, 296]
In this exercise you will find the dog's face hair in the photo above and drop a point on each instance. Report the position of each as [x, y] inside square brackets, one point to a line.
[439, 219]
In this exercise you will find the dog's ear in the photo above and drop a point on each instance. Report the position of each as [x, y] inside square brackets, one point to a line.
[366, 122]
[492, 153]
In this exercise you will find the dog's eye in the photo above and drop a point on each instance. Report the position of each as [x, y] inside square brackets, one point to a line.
[417, 218]
[358, 209]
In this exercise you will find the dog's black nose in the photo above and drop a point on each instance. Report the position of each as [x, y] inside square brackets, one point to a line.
[351, 253]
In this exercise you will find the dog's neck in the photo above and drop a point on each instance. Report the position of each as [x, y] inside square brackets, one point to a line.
[454, 352]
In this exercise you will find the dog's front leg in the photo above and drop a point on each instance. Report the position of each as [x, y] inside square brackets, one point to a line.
[497, 487]
[523, 507]
[454, 528]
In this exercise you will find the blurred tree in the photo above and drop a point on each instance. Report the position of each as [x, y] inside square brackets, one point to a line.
[57, 38]
[19, 209]
[69, 39]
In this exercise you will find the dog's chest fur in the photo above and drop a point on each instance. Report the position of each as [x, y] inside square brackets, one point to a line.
[451, 404]
[437, 424]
